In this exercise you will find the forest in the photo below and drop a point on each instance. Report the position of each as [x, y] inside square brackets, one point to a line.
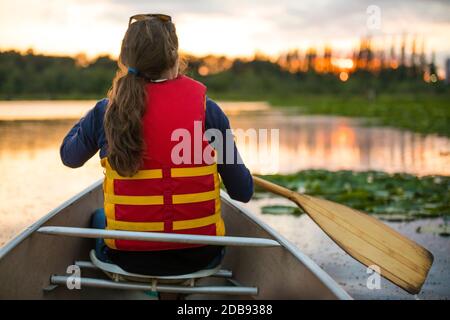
[401, 91]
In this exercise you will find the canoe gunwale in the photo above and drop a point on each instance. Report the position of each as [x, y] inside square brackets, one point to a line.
[324, 277]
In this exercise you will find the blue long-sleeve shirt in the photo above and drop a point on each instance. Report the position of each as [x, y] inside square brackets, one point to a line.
[88, 136]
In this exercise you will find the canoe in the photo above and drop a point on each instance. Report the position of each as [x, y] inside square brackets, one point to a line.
[28, 262]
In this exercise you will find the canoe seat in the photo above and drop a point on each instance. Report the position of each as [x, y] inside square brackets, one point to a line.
[179, 284]
[116, 273]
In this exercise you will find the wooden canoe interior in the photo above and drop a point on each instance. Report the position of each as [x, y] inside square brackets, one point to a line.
[26, 266]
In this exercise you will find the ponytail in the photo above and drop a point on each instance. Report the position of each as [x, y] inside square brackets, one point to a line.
[148, 49]
[123, 123]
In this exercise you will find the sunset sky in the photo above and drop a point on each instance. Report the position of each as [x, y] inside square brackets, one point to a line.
[232, 27]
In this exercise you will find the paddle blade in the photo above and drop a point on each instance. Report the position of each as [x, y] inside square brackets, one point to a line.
[368, 240]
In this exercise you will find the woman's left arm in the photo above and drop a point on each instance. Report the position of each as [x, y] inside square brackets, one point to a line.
[83, 140]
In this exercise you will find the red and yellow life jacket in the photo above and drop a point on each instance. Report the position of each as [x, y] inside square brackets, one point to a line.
[163, 196]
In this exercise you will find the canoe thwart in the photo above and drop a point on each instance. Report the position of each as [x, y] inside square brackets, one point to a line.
[158, 236]
[85, 264]
[109, 284]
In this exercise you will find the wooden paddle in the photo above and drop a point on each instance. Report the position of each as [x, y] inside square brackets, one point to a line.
[371, 242]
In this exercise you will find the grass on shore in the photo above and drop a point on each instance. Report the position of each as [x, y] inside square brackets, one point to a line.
[423, 113]
[419, 113]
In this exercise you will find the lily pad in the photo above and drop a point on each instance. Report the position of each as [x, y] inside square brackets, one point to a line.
[281, 210]
[394, 217]
[402, 196]
[442, 230]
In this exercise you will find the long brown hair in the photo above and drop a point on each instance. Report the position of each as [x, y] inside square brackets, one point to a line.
[149, 47]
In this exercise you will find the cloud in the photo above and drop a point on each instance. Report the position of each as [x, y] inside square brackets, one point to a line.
[293, 12]
[309, 19]
[235, 27]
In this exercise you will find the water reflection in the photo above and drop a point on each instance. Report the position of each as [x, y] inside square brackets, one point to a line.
[34, 181]
[336, 143]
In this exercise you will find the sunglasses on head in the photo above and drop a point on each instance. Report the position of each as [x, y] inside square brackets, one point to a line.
[140, 17]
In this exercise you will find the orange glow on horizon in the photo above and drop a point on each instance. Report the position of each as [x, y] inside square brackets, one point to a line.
[203, 70]
[343, 76]
[344, 135]
[343, 63]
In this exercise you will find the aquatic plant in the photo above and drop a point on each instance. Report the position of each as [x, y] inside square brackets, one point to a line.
[393, 197]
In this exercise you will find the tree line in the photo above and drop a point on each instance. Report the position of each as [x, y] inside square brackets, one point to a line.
[37, 76]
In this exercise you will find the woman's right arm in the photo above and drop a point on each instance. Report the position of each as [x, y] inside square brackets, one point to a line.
[85, 138]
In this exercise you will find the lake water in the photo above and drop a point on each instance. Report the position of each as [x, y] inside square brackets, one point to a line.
[34, 181]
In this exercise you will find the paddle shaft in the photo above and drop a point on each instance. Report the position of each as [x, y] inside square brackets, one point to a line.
[274, 188]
